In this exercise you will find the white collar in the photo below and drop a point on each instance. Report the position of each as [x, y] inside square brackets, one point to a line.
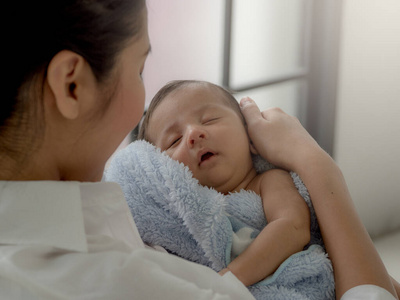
[42, 213]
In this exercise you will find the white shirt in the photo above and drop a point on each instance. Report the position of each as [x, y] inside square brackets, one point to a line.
[70, 240]
[367, 292]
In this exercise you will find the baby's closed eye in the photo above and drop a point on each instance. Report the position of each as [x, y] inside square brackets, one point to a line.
[174, 142]
[210, 120]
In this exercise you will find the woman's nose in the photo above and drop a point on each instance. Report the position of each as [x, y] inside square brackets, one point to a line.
[195, 134]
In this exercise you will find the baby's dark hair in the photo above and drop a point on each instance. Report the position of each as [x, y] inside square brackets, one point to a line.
[175, 85]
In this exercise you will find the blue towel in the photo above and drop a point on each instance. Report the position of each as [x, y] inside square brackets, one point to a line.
[197, 223]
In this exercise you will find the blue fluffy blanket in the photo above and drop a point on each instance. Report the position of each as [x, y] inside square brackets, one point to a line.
[173, 210]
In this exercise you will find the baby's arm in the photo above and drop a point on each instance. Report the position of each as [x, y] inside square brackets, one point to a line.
[287, 232]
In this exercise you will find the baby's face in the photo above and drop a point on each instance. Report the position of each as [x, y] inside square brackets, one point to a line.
[196, 127]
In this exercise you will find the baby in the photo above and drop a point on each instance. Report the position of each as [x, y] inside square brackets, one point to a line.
[200, 124]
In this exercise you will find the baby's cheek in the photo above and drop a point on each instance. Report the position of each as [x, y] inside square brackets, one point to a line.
[190, 164]
[180, 156]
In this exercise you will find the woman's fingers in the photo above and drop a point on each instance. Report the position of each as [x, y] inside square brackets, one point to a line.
[277, 136]
[250, 110]
[257, 126]
[252, 113]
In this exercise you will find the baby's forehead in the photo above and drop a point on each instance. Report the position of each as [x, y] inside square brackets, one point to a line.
[221, 96]
[211, 93]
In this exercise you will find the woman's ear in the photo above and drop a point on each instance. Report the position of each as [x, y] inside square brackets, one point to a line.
[64, 74]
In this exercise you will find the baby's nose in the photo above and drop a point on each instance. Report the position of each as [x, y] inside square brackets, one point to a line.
[195, 135]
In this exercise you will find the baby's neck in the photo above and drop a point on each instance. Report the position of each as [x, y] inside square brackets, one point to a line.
[246, 183]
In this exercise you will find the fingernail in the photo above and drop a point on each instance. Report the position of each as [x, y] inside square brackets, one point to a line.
[245, 101]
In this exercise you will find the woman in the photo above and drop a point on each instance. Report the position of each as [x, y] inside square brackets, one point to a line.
[73, 91]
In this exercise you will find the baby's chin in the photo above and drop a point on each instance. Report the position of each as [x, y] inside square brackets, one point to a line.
[221, 187]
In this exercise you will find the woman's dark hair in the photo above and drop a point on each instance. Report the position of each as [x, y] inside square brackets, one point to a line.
[35, 31]
[176, 85]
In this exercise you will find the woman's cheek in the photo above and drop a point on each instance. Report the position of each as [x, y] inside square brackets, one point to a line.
[136, 99]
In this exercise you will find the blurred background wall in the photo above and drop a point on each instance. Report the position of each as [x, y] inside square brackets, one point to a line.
[367, 127]
[267, 41]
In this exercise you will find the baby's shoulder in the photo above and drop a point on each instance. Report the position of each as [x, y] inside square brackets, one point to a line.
[270, 179]
[257, 182]
[272, 174]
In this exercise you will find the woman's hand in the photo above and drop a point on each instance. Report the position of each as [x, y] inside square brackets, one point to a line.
[278, 137]
[282, 140]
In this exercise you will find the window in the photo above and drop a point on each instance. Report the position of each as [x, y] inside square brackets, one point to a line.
[284, 53]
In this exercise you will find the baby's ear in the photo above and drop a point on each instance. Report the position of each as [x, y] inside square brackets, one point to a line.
[253, 149]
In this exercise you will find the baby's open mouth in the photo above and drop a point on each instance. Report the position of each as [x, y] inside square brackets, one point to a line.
[206, 156]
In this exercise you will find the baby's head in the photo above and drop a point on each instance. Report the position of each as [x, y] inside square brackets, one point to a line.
[175, 86]
[200, 124]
